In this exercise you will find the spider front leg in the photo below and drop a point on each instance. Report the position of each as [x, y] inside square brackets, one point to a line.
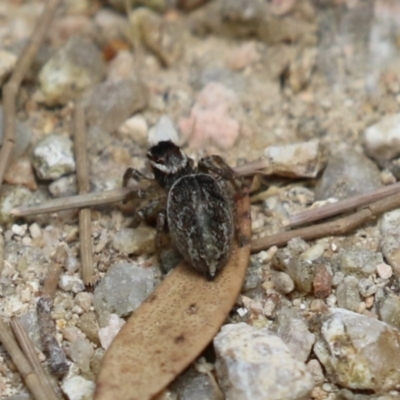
[137, 176]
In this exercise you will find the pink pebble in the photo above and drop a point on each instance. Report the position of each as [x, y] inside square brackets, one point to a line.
[210, 118]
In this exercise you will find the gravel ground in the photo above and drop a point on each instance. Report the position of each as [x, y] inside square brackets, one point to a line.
[311, 86]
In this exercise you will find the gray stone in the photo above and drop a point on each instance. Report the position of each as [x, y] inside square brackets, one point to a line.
[294, 332]
[283, 283]
[64, 186]
[53, 157]
[390, 243]
[347, 293]
[348, 173]
[256, 364]
[74, 68]
[11, 197]
[361, 262]
[302, 273]
[305, 159]
[389, 310]
[194, 385]
[81, 352]
[111, 103]
[77, 388]
[134, 241]
[367, 287]
[382, 140]
[23, 136]
[359, 352]
[121, 291]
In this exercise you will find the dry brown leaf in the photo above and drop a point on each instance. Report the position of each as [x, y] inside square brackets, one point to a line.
[172, 327]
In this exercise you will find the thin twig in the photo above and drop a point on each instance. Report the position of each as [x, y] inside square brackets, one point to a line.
[11, 88]
[329, 210]
[85, 225]
[28, 349]
[79, 201]
[53, 274]
[31, 380]
[341, 226]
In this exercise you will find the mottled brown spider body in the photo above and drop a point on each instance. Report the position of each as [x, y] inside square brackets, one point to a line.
[199, 207]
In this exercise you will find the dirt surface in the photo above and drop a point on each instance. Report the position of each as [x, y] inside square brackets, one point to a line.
[233, 78]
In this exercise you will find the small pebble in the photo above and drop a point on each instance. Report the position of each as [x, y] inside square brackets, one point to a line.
[11, 197]
[134, 241]
[71, 283]
[108, 333]
[283, 283]
[322, 283]
[77, 388]
[347, 293]
[366, 287]
[35, 231]
[111, 103]
[384, 271]
[19, 230]
[123, 288]
[122, 67]
[136, 128]
[84, 300]
[74, 68]
[211, 118]
[348, 173]
[53, 157]
[20, 172]
[382, 140]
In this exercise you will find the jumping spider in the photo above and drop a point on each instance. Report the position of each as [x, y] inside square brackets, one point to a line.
[195, 202]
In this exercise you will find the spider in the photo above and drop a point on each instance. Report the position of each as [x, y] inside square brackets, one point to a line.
[195, 202]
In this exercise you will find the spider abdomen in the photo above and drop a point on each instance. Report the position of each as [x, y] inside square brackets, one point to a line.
[200, 217]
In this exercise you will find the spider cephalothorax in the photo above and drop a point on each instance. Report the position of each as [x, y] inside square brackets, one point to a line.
[169, 163]
[197, 205]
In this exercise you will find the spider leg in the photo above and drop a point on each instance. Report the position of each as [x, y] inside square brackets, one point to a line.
[221, 169]
[134, 174]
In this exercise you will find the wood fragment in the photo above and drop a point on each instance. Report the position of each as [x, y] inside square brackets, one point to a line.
[172, 327]
[10, 89]
[54, 271]
[57, 359]
[341, 206]
[85, 224]
[340, 226]
[28, 349]
[30, 378]
[72, 202]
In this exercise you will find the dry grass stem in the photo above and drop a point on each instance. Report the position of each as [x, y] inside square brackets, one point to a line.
[85, 224]
[329, 210]
[252, 168]
[69, 203]
[28, 349]
[340, 226]
[30, 378]
[53, 274]
[10, 89]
